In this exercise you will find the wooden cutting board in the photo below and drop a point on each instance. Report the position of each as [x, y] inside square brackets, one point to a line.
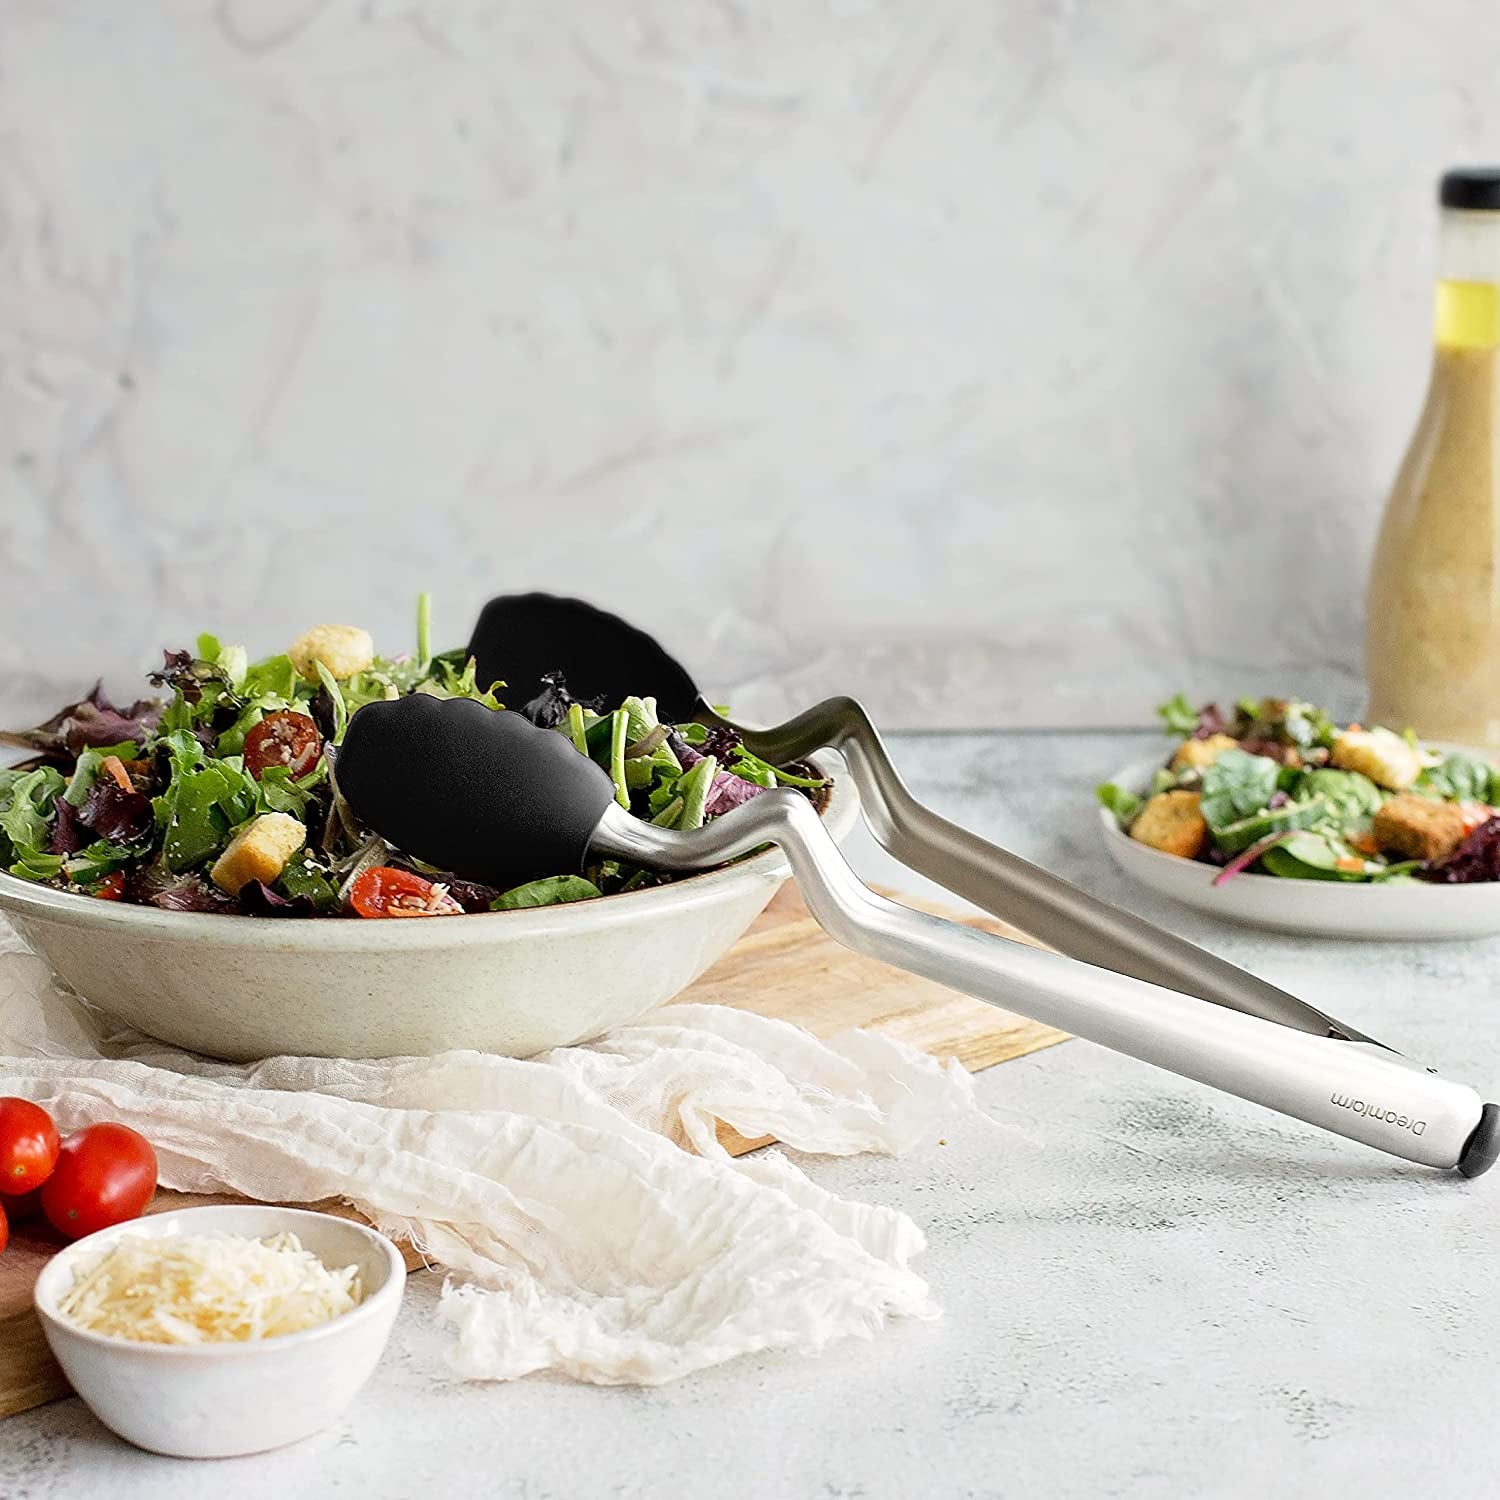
[783, 967]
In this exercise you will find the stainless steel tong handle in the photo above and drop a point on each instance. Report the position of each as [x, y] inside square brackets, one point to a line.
[1353, 1088]
[1031, 898]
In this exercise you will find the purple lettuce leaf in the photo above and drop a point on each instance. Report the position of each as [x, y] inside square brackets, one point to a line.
[257, 899]
[187, 674]
[1272, 749]
[122, 817]
[1247, 857]
[721, 742]
[92, 721]
[470, 894]
[68, 834]
[729, 790]
[1475, 860]
[1211, 721]
[320, 710]
[157, 886]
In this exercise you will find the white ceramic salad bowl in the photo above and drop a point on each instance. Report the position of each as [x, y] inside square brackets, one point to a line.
[513, 982]
[1407, 910]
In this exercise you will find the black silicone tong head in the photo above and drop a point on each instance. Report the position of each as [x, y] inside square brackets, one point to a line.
[486, 795]
[523, 638]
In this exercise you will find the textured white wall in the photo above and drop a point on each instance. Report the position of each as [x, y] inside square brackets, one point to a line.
[1007, 363]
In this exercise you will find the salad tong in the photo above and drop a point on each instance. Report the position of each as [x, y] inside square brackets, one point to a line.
[526, 638]
[496, 798]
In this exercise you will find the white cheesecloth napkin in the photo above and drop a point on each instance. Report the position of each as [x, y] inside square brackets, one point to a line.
[593, 1223]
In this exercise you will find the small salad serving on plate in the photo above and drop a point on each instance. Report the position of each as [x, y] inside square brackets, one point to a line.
[1276, 787]
[221, 794]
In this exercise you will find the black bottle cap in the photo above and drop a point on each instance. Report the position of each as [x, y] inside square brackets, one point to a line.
[1471, 187]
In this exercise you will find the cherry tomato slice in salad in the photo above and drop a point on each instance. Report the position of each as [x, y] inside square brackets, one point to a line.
[111, 888]
[387, 892]
[29, 1145]
[283, 738]
[105, 1174]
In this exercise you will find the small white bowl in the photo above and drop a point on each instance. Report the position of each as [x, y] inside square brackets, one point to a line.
[219, 1400]
[509, 982]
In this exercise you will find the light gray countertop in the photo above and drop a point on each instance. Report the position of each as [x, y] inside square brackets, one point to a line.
[1150, 1290]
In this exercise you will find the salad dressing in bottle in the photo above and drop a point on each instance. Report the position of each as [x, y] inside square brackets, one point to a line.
[1432, 644]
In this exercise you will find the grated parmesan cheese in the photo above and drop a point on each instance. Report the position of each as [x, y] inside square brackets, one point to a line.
[207, 1289]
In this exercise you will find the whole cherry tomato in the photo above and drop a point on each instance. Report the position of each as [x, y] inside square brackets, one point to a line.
[283, 738]
[104, 1175]
[387, 892]
[28, 1145]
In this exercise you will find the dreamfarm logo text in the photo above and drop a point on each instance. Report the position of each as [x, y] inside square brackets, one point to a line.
[1375, 1112]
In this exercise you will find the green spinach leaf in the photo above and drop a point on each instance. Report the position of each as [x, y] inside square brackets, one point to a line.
[553, 890]
[34, 865]
[274, 678]
[303, 876]
[90, 865]
[693, 786]
[1178, 716]
[205, 804]
[1236, 785]
[1235, 838]
[232, 661]
[1305, 724]
[753, 768]
[1317, 856]
[1458, 778]
[1351, 794]
[277, 791]
[1122, 803]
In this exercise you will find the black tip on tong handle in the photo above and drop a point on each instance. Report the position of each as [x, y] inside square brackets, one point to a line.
[1482, 1150]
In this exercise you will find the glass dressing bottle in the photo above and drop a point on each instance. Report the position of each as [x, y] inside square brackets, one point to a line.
[1432, 640]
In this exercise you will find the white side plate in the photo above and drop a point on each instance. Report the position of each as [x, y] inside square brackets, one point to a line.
[1322, 908]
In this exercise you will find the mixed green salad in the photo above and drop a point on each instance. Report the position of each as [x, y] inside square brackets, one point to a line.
[221, 795]
[1276, 787]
